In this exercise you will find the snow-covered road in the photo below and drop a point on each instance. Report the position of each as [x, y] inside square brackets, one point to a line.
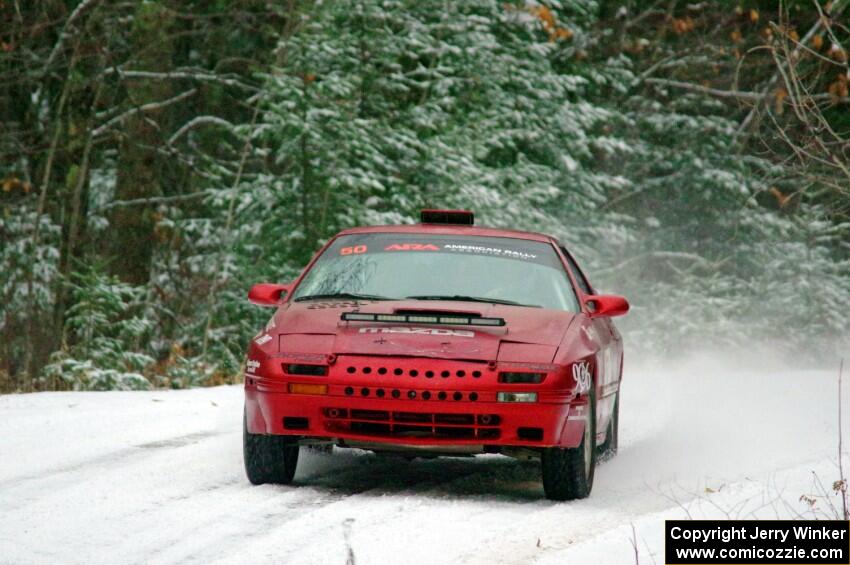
[157, 477]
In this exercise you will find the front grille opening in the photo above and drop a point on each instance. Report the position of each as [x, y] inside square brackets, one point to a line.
[414, 424]
[412, 417]
[521, 378]
[370, 428]
[455, 432]
[412, 430]
[308, 370]
[461, 419]
[370, 415]
[530, 434]
[295, 423]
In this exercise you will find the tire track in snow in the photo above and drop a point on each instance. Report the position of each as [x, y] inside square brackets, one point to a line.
[360, 478]
[106, 459]
[374, 480]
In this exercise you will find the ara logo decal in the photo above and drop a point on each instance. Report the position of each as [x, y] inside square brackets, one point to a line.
[418, 331]
[265, 338]
[251, 366]
[582, 377]
[411, 247]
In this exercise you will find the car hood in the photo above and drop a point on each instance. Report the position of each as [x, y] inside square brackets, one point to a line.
[530, 334]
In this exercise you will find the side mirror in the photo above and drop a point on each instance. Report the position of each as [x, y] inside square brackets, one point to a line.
[267, 294]
[606, 305]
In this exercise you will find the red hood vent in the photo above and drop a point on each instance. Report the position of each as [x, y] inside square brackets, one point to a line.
[417, 317]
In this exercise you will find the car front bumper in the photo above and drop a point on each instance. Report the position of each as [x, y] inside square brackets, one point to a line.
[406, 421]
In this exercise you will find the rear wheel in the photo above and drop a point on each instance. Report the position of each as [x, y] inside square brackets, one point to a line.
[568, 473]
[268, 458]
[612, 437]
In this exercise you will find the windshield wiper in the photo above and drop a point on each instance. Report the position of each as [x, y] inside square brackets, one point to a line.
[463, 298]
[351, 295]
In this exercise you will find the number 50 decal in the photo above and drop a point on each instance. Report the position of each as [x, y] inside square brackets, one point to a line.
[582, 377]
[356, 250]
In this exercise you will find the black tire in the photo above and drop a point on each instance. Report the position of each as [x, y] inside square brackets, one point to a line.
[612, 438]
[268, 458]
[568, 473]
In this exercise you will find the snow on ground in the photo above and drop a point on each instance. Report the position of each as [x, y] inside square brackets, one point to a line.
[156, 477]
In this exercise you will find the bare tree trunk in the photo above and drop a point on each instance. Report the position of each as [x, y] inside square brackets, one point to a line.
[33, 306]
[139, 164]
[220, 278]
[77, 217]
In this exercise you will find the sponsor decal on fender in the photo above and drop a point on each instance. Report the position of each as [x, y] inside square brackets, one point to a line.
[418, 331]
[265, 338]
[582, 377]
[251, 366]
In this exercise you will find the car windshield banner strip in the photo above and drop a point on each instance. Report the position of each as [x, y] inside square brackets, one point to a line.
[454, 319]
[357, 246]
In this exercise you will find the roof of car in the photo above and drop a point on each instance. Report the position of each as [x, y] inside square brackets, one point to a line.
[453, 229]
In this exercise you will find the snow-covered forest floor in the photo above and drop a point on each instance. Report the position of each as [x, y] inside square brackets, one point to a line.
[153, 477]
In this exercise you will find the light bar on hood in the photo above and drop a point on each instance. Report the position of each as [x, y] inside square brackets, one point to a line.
[452, 319]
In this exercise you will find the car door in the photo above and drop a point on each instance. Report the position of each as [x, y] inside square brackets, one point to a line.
[609, 355]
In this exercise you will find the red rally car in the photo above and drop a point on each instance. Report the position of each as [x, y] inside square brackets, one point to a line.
[439, 338]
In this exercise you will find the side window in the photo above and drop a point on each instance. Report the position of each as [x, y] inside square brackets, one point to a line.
[577, 274]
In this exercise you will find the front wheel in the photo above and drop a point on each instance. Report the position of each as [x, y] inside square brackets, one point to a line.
[568, 473]
[268, 458]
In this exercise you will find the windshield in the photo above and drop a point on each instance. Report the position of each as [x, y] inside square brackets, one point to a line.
[433, 267]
